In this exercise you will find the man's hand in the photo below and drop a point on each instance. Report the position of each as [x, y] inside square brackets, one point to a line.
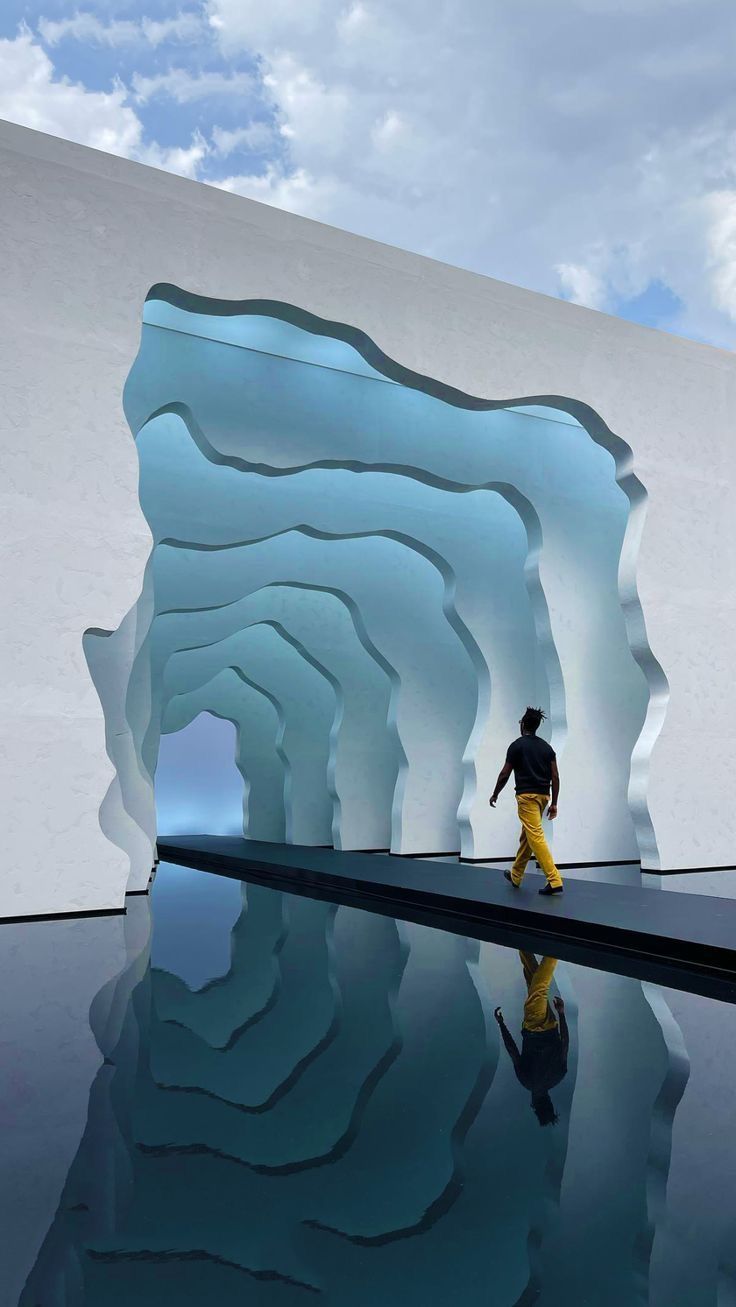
[503, 776]
[552, 812]
[498, 1014]
[559, 1003]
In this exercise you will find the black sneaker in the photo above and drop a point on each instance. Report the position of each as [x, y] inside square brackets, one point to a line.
[551, 889]
[507, 874]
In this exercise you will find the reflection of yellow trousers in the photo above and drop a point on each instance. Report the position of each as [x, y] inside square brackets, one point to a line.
[533, 840]
[538, 1014]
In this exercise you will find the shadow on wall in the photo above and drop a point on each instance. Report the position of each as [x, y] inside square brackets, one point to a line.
[368, 575]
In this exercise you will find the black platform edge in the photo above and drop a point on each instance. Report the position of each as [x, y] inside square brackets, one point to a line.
[570, 866]
[562, 866]
[698, 968]
[63, 916]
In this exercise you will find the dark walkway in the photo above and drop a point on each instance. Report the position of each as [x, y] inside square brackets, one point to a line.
[687, 940]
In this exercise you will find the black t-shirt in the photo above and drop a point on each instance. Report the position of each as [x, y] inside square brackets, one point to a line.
[543, 1061]
[531, 759]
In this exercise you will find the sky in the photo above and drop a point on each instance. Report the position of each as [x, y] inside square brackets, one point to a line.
[583, 148]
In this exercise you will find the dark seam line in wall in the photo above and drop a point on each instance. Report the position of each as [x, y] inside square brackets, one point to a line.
[334, 846]
[448, 853]
[686, 871]
[64, 916]
[624, 862]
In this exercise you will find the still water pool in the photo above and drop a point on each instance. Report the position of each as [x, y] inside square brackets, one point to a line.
[290, 1102]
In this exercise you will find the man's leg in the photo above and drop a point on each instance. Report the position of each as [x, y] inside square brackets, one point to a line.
[531, 809]
[524, 853]
[538, 1014]
[530, 965]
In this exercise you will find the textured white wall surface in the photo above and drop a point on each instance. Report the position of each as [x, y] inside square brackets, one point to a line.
[83, 237]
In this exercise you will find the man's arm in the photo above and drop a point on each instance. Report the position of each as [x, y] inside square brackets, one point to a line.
[564, 1032]
[555, 791]
[503, 776]
[508, 1039]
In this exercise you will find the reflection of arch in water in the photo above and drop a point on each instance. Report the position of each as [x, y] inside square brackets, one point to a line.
[349, 1138]
[95, 1197]
[279, 1160]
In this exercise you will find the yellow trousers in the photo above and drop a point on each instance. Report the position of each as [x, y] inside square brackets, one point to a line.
[538, 1014]
[533, 840]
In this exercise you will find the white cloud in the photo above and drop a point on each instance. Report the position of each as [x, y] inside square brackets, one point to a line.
[32, 94]
[391, 128]
[721, 207]
[571, 147]
[297, 192]
[353, 22]
[586, 148]
[582, 285]
[267, 24]
[187, 26]
[183, 87]
[313, 114]
[85, 26]
[255, 136]
[184, 160]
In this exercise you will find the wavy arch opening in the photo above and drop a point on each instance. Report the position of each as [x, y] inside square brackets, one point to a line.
[279, 409]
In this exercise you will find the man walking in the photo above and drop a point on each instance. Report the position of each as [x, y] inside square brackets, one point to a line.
[534, 764]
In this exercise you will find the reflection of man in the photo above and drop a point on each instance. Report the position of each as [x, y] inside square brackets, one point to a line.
[542, 1062]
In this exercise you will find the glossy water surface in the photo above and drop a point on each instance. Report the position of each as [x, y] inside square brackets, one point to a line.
[299, 1102]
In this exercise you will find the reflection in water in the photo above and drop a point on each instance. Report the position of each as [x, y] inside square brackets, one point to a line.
[57, 978]
[545, 1039]
[332, 1115]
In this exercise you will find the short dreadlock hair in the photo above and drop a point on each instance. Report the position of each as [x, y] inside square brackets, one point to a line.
[532, 719]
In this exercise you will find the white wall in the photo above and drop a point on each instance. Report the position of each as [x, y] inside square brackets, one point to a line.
[83, 236]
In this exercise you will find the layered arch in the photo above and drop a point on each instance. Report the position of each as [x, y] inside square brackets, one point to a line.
[295, 424]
